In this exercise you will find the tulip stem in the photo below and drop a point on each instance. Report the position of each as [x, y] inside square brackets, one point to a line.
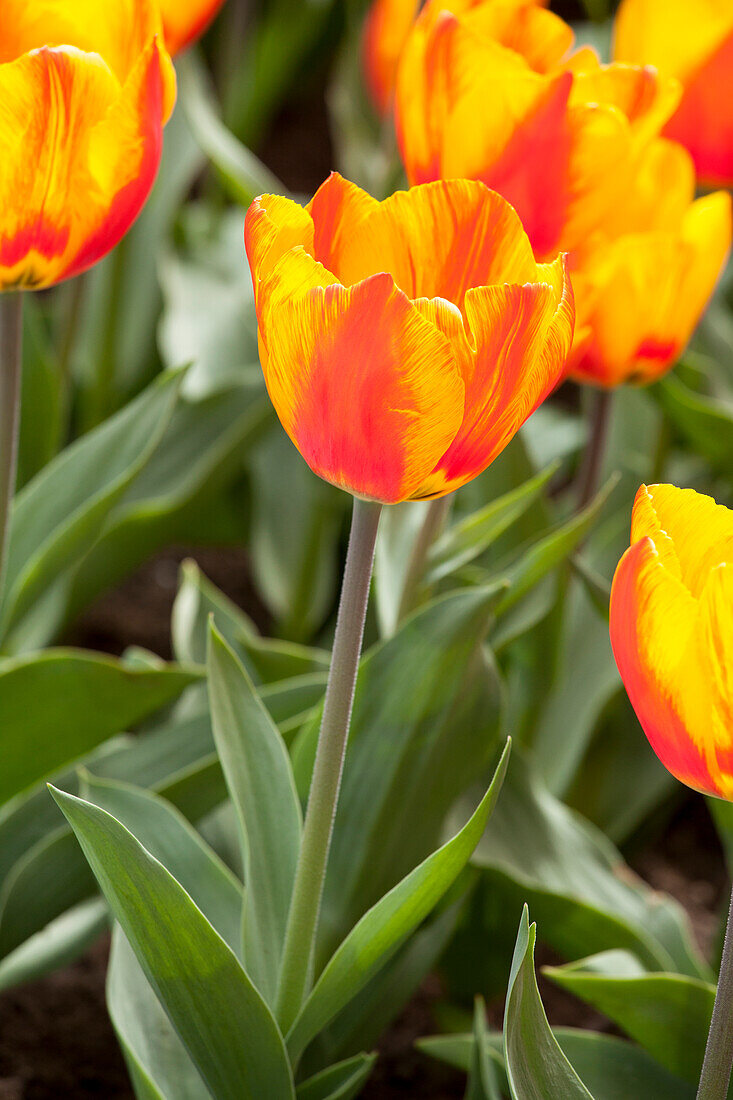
[11, 360]
[302, 926]
[433, 523]
[595, 451]
[716, 1066]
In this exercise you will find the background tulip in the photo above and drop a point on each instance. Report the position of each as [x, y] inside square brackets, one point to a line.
[489, 90]
[404, 343]
[672, 632]
[85, 90]
[186, 20]
[694, 42]
[386, 29]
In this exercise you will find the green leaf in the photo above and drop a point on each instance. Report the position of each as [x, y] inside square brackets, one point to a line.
[267, 660]
[339, 1082]
[169, 838]
[706, 424]
[257, 769]
[56, 945]
[57, 705]
[667, 1014]
[483, 1083]
[536, 1067]
[399, 528]
[158, 1062]
[470, 536]
[226, 1026]
[424, 726]
[60, 513]
[536, 849]
[381, 931]
[611, 1068]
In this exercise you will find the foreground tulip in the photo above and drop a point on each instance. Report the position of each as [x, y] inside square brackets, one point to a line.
[672, 637]
[642, 284]
[487, 89]
[85, 90]
[672, 632]
[694, 42]
[186, 20]
[404, 343]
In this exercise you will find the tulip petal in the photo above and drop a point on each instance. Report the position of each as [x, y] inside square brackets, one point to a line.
[367, 389]
[521, 336]
[186, 20]
[272, 227]
[386, 29]
[711, 710]
[643, 96]
[704, 121]
[692, 533]
[676, 36]
[653, 622]
[81, 151]
[435, 241]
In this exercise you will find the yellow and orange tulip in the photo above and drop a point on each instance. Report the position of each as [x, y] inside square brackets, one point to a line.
[404, 343]
[489, 90]
[386, 28]
[185, 20]
[672, 632]
[642, 284]
[85, 89]
[692, 40]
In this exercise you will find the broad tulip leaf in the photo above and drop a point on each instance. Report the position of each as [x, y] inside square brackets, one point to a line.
[399, 528]
[536, 849]
[483, 1079]
[667, 1014]
[610, 1068]
[424, 725]
[382, 930]
[707, 424]
[169, 838]
[471, 535]
[226, 1026]
[159, 1064]
[57, 705]
[257, 770]
[536, 1067]
[60, 513]
[341, 1081]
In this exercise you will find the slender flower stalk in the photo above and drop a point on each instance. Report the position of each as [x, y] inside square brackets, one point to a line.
[716, 1066]
[595, 451]
[302, 925]
[11, 356]
[432, 526]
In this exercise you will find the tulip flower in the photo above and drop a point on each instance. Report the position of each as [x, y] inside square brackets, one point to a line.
[672, 632]
[85, 90]
[386, 28]
[489, 90]
[186, 20]
[642, 284]
[404, 343]
[694, 42]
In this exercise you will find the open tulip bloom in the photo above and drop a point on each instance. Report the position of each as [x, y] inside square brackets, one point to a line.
[185, 20]
[405, 342]
[672, 637]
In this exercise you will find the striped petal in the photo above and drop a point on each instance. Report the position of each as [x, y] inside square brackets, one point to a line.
[366, 387]
[386, 29]
[435, 241]
[186, 20]
[273, 226]
[81, 150]
[704, 120]
[521, 336]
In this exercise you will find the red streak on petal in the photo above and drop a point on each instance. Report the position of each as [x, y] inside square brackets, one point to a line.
[38, 236]
[532, 172]
[662, 351]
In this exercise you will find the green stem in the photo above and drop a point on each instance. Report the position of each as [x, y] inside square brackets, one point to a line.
[431, 528]
[716, 1067]
[595, 450]
[305, 905]
[11, 362]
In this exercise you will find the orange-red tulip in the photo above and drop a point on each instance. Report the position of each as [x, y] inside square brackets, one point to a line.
[642, 283]
[85, 89]
[487, 89]
[672, 632]
[692, 40]
[404, 343]
[185, 20]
